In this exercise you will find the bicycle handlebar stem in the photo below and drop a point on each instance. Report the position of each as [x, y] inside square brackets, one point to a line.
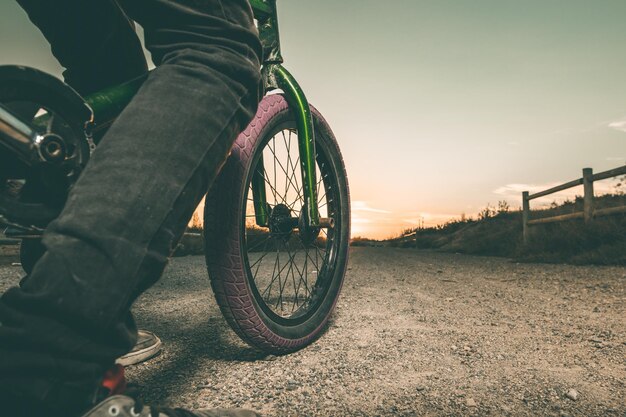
[266, 14]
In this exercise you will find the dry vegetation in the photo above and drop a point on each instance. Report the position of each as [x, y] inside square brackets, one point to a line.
[498, 232]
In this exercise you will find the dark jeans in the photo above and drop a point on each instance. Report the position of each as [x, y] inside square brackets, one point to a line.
[70, 320]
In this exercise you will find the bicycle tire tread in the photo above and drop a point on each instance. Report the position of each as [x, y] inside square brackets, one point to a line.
[233, 295]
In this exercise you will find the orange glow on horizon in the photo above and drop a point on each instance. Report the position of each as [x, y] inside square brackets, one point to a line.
[368, 222]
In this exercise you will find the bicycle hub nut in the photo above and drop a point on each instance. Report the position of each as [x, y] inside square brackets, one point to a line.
[52, 148]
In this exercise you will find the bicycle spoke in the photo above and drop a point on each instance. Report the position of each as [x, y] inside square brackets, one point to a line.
[269, 288]
[265, 175]
[50, 123]
[300, 187]
[310, 258]
[260, 260]
[274, 143]
[318, 252]
[290, 162]
[281, 288]
[274, 190]
[288, 284]
[301, 281]
[293, 278]
[280, 270]
[259, 244]
[283, 169]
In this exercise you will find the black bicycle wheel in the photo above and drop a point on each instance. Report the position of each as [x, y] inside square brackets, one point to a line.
[35, 196]
[276, 286]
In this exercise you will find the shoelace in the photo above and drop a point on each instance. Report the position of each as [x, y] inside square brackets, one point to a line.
[133, 392]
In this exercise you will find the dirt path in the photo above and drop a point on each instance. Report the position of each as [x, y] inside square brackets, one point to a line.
[415, 333]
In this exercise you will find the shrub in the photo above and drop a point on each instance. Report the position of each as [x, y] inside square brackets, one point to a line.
[498, 232]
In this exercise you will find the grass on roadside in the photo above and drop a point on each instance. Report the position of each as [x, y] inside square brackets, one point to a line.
[499, 233]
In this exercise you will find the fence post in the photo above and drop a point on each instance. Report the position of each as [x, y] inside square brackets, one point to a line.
[525, 215]
[588, 197]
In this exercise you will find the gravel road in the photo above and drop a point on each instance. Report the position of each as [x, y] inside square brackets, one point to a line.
[415, 333]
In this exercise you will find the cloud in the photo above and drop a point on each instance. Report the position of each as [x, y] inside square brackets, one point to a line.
[427, 219]
[513, 192]
[616, 158]
[618, 125]
[517, 189]
[368, 221]
[363, 206]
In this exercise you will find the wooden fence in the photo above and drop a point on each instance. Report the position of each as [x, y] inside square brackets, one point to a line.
[409, 237]
[588, 212]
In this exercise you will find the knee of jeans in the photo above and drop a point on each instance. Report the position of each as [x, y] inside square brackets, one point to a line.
[206, 60]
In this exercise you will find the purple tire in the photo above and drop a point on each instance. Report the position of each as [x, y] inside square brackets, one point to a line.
[277, 287]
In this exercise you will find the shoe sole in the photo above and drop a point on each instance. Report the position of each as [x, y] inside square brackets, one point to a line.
[141, 355]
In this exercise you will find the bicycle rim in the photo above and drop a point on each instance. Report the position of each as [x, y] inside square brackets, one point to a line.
[288, 276]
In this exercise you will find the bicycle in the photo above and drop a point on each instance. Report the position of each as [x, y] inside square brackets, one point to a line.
[276, 220]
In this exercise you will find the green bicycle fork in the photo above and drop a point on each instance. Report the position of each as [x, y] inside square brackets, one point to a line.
[275, 76]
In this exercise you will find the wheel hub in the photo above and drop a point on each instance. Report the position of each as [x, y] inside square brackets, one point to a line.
[280, 222]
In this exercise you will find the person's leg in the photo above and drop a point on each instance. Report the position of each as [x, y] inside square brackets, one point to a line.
[114, 56]
[94, 40]
[124, 216]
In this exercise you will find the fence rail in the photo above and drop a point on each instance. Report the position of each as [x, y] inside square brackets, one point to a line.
[588, 212]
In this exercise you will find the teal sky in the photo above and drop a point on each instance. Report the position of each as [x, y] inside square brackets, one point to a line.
[444, 106]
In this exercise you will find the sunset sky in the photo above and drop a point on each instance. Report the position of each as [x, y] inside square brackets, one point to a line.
[441, 107]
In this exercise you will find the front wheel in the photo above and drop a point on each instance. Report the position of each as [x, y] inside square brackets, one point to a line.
[276, 287]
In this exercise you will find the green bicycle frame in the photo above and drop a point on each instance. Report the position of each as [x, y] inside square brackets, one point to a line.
[108, 103]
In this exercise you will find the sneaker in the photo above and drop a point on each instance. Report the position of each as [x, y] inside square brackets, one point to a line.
[148, 345]
[122, 400]
[128, 406]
